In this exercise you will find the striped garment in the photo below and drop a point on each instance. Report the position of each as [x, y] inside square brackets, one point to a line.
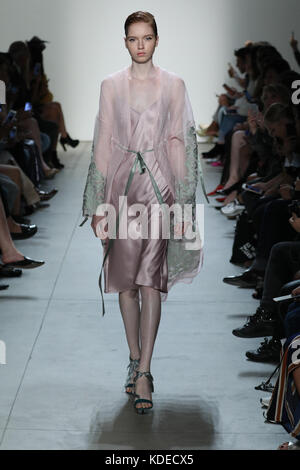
[284, 407]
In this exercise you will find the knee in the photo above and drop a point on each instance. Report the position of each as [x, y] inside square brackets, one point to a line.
[280, 249]
[147, 291]
[131, 293]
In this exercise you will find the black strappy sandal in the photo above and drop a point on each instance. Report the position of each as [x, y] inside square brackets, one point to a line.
[132, 367]
[142, 410]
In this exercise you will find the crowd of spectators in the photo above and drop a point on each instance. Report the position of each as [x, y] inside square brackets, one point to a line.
[257, 131]
[30, 125]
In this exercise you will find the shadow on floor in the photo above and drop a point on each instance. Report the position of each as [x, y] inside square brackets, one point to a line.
[174, 422]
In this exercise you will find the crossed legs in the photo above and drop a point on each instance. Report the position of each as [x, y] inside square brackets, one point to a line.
[141, 326]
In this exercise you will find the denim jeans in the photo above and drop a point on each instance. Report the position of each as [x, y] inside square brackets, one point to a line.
[227, 122]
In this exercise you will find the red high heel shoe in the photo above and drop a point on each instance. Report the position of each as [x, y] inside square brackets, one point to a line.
[214, 192]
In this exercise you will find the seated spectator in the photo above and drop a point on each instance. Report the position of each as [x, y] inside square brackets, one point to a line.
[11, 257]
[42, 98]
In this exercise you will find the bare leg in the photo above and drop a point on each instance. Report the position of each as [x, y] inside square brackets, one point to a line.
[150, 319]
[32, 126]
[237, 142]
[244, 159]
[15, 175]
[130, 310]
[9, 251]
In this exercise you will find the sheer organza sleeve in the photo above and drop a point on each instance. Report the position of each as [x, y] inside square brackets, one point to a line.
[182, 144]
[94, 192]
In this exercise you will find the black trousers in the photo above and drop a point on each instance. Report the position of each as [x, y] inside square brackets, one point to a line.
[274, 226]
[283, 263]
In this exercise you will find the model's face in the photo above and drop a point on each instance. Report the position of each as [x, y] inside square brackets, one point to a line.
[140, 42]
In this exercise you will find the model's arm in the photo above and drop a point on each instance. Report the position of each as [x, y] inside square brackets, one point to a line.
[94, 192]
[183, 152]
[182, 144]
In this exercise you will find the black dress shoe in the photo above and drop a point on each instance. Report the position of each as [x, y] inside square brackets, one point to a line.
[26, 263]
[248, 279]
[10, 272]
[47, 195]
[262, 323]
[31, 208]
[27, 232]
[3, 286]
[269, 351]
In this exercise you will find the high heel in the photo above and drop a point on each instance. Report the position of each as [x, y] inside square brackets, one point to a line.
[214, 192]
[132, 367]
[142, 410]
[226, 192]
[68, 141]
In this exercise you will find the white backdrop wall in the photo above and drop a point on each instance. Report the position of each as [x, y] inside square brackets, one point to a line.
[197, 39]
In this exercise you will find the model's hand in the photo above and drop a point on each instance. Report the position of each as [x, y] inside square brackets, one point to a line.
[180, 228]
[98, 228]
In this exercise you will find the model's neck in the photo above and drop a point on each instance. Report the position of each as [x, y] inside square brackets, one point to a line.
[142, 71]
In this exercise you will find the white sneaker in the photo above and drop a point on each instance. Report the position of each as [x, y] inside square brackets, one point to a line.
[232, 209]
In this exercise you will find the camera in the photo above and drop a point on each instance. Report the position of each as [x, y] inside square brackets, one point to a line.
[294, 207]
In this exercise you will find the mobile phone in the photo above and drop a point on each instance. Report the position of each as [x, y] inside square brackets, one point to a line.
[286, 297]
[253, 189]
[10, 116]
[37, 68]
[27, 106]
[248, 96]
[12, 132]
[230, 111]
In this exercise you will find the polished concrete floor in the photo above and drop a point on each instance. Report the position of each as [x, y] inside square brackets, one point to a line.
[62, 384]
